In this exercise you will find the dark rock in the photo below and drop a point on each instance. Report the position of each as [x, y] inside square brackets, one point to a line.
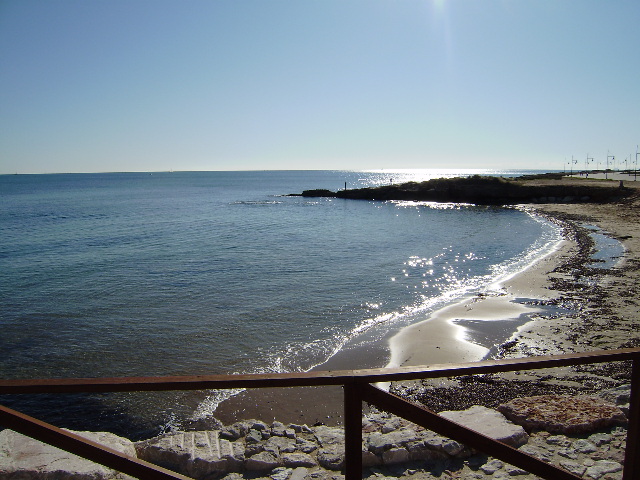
[482, 190]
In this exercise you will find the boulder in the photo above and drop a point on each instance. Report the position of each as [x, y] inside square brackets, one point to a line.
[306, 446]
[395, 455]
[441, 444]
[294, 460]
[490, 423]
[298, 473]
[280, 445]
[562, 414]
[370, 459]
[195, 454]
[280, 473]
[601, 468]
[573, 467]
[24, 457]
[380, 442]
[328, 435]
[619, 396]
[261, 462]
[332, 457]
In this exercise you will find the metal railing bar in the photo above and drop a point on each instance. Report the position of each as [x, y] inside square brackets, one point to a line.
[632, 450]
[84, 447]
[307, 379]
[471, 438]
[353, 431]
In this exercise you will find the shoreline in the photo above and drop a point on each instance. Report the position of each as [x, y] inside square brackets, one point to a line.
[470, 329]
[499, 316]
[594, 309]
[542, 310]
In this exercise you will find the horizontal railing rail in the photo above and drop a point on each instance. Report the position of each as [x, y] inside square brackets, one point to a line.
[357, 387]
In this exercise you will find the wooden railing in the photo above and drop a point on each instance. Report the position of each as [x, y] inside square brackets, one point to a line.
[358, 388]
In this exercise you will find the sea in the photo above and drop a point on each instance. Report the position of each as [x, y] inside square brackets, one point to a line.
[196, 273]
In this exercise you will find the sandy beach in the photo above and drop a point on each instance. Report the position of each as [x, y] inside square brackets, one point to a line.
[571, 306]
[560, 304]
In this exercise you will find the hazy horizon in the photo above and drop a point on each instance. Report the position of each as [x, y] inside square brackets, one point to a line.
[481, 171]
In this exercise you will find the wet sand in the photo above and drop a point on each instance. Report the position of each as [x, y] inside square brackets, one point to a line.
[309, 405]
[468, 330]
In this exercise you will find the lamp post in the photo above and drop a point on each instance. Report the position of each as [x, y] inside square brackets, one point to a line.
[612, 157]
[586, 163]
[573, 162]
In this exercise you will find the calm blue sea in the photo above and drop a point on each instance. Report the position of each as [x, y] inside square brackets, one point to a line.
[137, 274]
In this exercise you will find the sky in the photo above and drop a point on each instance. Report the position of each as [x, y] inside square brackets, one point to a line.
[156, 85]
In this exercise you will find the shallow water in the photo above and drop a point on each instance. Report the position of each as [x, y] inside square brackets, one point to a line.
[609, 250]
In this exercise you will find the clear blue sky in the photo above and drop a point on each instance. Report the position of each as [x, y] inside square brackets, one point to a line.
[137, 85]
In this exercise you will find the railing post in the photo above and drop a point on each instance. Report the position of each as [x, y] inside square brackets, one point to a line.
[352, 431]
[632, 451]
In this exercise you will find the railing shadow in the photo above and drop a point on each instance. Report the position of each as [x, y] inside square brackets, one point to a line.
[358, 388]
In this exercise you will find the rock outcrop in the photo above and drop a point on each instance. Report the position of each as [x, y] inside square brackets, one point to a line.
[22, 457]
[196, 454]
[294, 452]
[481, 190]
[562, 414]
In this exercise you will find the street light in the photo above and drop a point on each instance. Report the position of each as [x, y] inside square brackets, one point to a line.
[586, 162]
[612, 157]
[573, 162]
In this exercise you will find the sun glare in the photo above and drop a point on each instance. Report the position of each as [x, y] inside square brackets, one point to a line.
[439, 4]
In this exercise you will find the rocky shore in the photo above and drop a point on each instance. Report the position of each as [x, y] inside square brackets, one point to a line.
[589, 308]
[584, 435]
[486, 190]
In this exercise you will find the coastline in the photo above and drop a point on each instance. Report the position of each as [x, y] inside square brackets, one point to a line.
[471, 329]
[544, 309]
[450, 330]
[592, 308]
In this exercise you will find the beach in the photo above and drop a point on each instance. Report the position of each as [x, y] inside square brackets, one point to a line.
[560, 304]
[570, 305]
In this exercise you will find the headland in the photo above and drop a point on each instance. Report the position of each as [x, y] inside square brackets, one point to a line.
[487, 190]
